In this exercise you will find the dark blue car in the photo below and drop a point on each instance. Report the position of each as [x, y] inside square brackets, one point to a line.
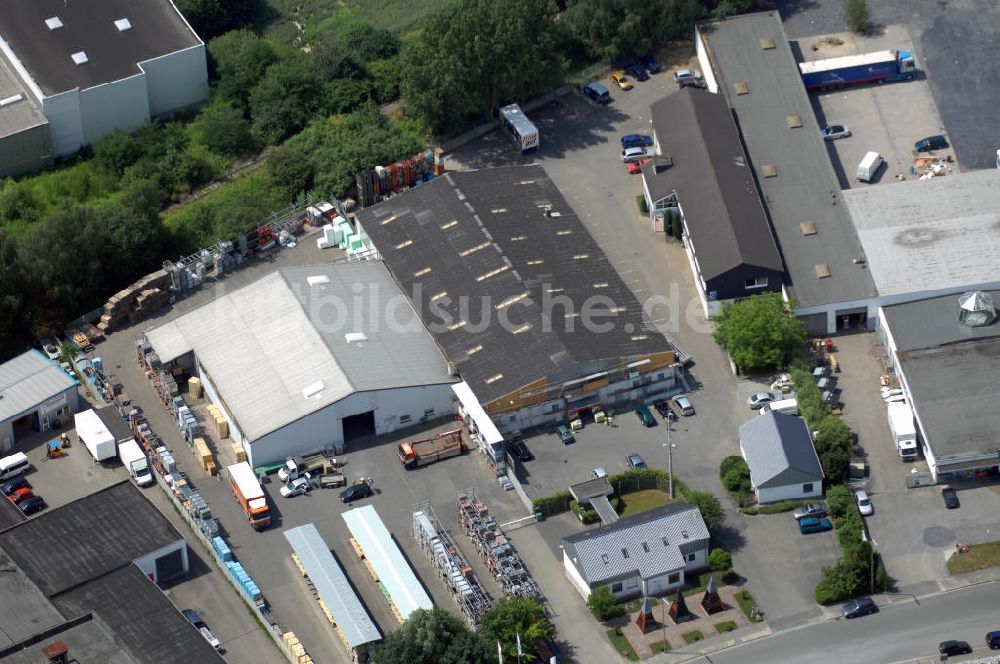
[636, 141]
[637, 72]
[651, 65]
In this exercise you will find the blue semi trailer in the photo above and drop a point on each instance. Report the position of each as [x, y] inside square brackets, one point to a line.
[878, 67]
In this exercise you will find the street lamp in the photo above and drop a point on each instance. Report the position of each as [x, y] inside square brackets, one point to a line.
[670, 461]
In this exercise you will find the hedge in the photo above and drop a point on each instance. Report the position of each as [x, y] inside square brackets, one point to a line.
[557, 503]
[628, 481]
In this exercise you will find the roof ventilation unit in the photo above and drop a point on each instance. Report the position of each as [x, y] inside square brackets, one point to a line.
[53, 23]
[355, 337]
[975, 309]
[123, 24]
[80, 58]
[7, 101]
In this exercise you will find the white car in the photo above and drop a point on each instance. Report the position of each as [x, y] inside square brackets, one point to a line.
[296, 487]
[688, 77]
[599, 472]
[683, 404]
[755, 401]
[833, 132]
[864, 503]
[635, 154]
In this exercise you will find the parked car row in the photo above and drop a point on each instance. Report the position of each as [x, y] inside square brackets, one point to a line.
[18, 491]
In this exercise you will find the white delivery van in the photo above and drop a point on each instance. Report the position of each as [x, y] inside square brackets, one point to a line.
[786, 406]
[14, 465]
[869, 166]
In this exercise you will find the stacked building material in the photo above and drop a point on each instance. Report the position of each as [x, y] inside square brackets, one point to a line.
[194, 387]
[93, 334]
[219, 424]
[239, 452]
[147, 295]
[204, 455]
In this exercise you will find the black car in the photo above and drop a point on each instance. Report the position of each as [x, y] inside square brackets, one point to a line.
[15, 484]
[950, 498]
[355, 492]
[32, 505]
[954, 648]
[861, 606]
[638, 72]
[520, 451]
[665, 411]
[937, 142]
[651, 65]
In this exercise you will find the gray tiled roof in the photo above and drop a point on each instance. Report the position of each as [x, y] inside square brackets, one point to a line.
[779, 450]
[29, 379]
[647, 544]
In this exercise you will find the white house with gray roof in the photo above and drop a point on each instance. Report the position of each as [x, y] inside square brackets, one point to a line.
[783, 462]
[34, 392]
[311, 356]
[646, 554]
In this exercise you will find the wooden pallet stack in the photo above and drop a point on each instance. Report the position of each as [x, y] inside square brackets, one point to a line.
[144, 297]
[204, 455]
[219, 424]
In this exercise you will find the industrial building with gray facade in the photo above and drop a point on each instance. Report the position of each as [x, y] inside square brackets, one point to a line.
[73, 72]
[36, 394]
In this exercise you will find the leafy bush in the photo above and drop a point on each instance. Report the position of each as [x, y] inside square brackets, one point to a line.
[709, 506]
[852, 575]
[734, 473]
[602, 604]
[833, 445]
[783, 506]
[759, 333]
[839, 499]
[720, 560]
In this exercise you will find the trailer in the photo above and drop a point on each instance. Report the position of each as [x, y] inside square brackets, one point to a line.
[877, 67]
[95, 435]
[249, 495]
[417, 453]
[904, 433]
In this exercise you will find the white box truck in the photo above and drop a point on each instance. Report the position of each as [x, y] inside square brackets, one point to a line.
[95, 436]
[904, 432]
[786, 406]
[869, 166]
[134, 460]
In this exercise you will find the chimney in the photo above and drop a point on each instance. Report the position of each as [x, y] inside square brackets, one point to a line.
[57, 653]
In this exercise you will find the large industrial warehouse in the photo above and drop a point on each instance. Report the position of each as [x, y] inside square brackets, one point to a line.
[520, 297]
[76, 71]
[310, 357]
[34, 392]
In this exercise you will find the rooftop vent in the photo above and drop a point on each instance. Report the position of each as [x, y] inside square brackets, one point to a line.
[766, 43]
[123, 24]
[741, 88]
[53, 23]
[808, 227]
[740, 160]
[793, 121]
[317, 279]
[7, 101]
[822, 270]
[975, 309]
[355, 337]
[769, 170]
[312, 389]
[624, 552]
[80, 58]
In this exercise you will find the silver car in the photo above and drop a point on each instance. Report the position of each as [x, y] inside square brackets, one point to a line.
[688, 77]
[864, 503]
[683, 404]
[812, 509]
[755, 401]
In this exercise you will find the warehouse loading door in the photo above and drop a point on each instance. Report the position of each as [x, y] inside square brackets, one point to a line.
[169, 566]
[358, 427]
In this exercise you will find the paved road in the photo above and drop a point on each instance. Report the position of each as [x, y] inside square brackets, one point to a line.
[906, 632]
[955, 43]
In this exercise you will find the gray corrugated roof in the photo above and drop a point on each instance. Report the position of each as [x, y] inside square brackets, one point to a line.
[948, 226]
[723, 212]
[91, 638]
[265, 343]
[326, 574]
[387, 560]
[806, 187]
[774, 444]
[89, 26]
[140, 616]
[476, 239]
[933, 322]
[950, 370]
[88, 538]
[28, 380]
[19, 115]
[620, 549]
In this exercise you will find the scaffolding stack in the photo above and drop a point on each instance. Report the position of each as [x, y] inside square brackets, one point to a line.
[494, 548]
[452, 567]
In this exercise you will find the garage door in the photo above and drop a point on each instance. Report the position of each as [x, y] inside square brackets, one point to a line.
[169, 566]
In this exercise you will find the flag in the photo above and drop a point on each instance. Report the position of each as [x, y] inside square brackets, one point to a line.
[519, 653]
[499, 652]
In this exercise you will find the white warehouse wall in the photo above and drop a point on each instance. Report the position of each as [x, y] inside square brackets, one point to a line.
[788, 492]
[121, 105]
[177, 80]
[65, 121]
[325, 428]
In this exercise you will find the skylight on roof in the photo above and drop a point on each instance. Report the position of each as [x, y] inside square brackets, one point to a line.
[53, 23]
[80, 58]
[317, 279]
[123, 24]
[313, 389]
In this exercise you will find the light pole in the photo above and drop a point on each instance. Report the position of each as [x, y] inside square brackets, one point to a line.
[670, 461]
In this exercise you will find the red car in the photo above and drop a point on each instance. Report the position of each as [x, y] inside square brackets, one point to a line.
[636, 166]
[20, 494]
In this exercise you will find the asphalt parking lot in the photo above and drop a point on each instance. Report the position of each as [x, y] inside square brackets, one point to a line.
[955, 44]
[887, 119]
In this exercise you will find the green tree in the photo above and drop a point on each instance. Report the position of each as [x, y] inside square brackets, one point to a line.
[839, 500]
[433, 637]
[345, 95]
[290, 169]
[856, 16]
[221, 128]
[709, 506]
[760, 333]
[18, 202]
[602, 604]
[516, 615]
[208, 17]
[17, 307]
[116, 152]
[499, 51]
[239, 59]
[833, 446]
[624, 28]
[385, 78]
[284, 101]
[720, 560]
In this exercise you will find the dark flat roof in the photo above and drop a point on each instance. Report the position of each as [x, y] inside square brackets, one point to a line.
[482, 237]
[88, 538]
[714, 183]
[805, 188]
[89, 26]
[10, 515]
[934, 322]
